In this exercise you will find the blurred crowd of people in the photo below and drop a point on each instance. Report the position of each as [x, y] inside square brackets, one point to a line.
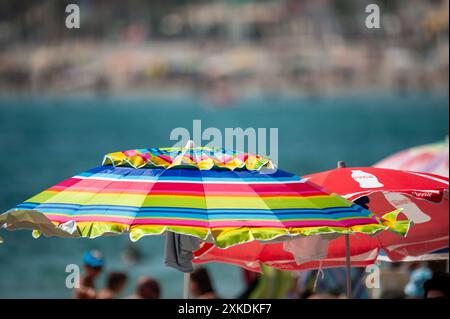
[410, 280]
[226, 48]
[399, 281]
[145, 288]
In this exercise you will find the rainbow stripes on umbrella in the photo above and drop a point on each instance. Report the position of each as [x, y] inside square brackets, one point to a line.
[227, 207]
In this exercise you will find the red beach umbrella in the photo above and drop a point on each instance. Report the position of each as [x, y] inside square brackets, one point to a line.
[423, 198]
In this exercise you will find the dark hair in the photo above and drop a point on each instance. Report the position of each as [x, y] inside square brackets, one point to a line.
[148, 288]
[96, 268]
[201, 277]
[439, 282]
[115, 279]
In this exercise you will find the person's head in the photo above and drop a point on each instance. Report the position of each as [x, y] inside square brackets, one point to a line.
[93, 263]
[116, 281]
[415, 265]
[414, 288]
[148, 288]
[201, 282]
[437, 286]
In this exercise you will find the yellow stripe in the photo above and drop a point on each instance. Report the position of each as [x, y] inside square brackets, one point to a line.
[211, 202]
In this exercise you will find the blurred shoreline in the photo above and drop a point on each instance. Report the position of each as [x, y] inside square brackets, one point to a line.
[80, 68]
[204, 99]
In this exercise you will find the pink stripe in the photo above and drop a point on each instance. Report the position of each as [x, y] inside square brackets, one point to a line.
[212, 224]
[145, 156]
[125, 221]
[148, 191]
[287, 224]
[130, 153]
[166, 158]
[299, 189]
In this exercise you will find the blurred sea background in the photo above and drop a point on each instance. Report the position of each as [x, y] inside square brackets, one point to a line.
[334, 89]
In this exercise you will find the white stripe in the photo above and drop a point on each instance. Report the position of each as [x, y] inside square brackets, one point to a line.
[183, 181]
[442, 256]
[348, 196]
[354, 196]
[396, 247]
[443, 181]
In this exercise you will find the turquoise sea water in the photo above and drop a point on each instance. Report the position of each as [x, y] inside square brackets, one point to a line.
[46, 140]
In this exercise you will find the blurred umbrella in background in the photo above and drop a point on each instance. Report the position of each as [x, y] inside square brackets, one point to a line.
[430, 158]
[223, 197]
[422, 197]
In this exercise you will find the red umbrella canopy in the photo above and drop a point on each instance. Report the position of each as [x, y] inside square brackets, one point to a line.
[423, 198]
[355, 182]
[364, 251]
[429, 233]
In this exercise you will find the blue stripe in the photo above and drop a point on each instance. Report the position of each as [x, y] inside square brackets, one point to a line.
[176, 211]
[193, 179]
[182, 173]
[162, 208]
[209, 215]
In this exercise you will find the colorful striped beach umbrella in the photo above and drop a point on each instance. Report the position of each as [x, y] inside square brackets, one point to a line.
[223, 197]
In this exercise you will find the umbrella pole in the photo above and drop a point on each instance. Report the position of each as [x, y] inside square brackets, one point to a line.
[348, 263]
[348, 266]
[187, 279]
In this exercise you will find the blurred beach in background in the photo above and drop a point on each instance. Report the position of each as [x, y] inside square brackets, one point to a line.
[224, 49]
[135, 70]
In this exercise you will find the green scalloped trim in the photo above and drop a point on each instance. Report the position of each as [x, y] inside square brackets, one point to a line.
[223, 237]
[252, 162]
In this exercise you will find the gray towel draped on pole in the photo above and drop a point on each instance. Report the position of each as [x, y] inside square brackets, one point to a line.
[178, 251]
